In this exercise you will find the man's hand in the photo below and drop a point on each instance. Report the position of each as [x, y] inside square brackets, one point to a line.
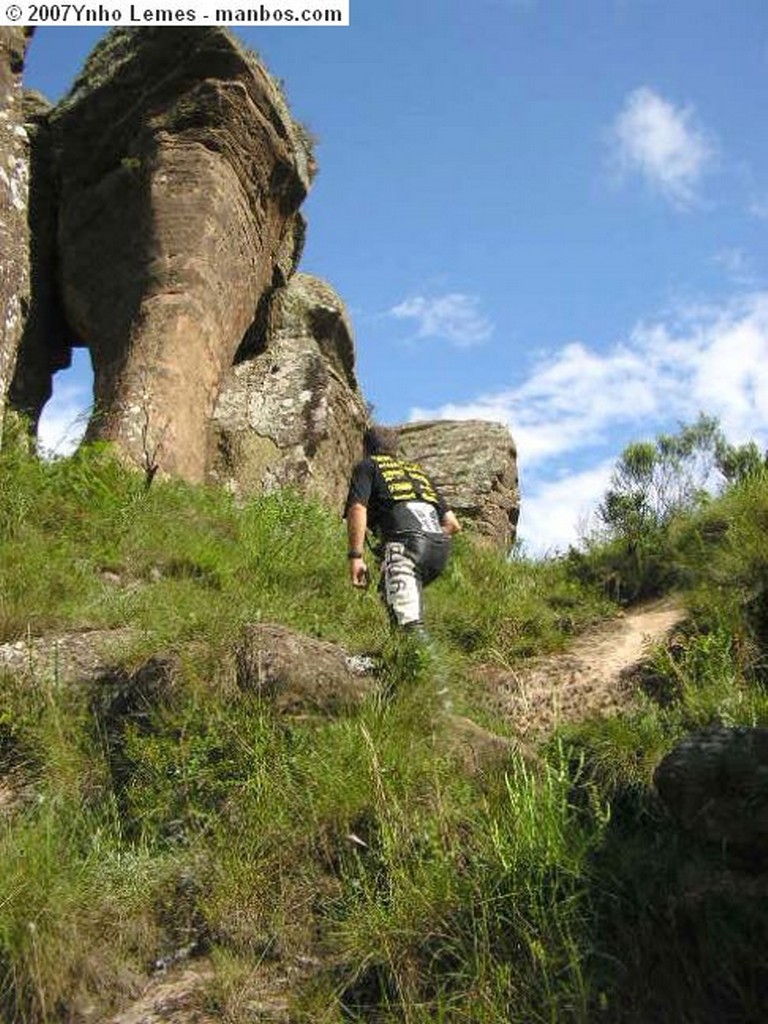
[450, 524]
[358, 572]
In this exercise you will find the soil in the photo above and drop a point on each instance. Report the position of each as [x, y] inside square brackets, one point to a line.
[596, 675]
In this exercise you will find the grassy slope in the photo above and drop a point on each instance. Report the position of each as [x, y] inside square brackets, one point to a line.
[207, 824]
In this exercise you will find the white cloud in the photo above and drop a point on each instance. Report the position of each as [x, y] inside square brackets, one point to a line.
[662, 142]
[64, 419]
[454, 317]
[581, 403]
[737, 265]
[558, 512]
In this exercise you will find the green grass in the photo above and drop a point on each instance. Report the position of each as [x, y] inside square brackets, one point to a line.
[178, 815]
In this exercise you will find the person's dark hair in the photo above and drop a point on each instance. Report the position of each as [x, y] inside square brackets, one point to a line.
[380, 441]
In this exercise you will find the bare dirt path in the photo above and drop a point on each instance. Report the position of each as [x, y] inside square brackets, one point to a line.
[593, 676]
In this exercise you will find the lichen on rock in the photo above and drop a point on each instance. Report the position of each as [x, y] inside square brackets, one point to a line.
[292, 414]
[474, 464]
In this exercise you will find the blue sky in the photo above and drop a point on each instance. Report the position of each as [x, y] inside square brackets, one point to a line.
[547, 212]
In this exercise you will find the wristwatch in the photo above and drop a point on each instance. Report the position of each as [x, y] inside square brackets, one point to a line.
[354, 554]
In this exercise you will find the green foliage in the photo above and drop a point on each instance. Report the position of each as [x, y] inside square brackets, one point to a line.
[656, 488]
[498, 610]
[670, 924]
[65, 872]
[655, 481]
[476, 912]
[722, 553]
[86, 544]
[674, 935]
[188, 818]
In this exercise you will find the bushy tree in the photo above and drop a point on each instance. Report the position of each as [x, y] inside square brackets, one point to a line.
[656, 480]
[741, 462]
[653, 484]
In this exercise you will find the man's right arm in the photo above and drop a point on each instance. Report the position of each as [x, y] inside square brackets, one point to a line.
[357, 522]
[450, 524]
[356, 514]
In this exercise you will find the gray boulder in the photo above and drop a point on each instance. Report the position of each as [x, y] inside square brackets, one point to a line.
[298, 674]
[474, 464]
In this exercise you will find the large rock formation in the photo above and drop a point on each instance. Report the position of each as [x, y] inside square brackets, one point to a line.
[180, 174]
[166, 237]
[292, 415]
[14, 176]
[474, 464]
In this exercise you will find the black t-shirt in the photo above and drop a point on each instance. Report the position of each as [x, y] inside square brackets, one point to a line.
[399, 496]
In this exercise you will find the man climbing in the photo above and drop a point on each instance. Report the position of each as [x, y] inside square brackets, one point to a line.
[398, 502]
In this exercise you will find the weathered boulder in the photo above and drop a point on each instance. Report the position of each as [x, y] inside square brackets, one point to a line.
[298, 673]
[180, 174]
[474, 464]
[14, 183]
[715, 785]
[293, 414]
[64, 658]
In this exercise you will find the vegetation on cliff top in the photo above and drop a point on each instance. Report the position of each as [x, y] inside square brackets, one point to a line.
[201, 824]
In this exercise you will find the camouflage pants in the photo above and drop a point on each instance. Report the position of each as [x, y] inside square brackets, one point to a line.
[410, 563]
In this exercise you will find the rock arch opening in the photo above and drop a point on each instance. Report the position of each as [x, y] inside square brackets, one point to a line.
[65, 415]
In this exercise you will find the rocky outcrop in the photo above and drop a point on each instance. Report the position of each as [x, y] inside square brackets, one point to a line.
[474, 464]
[715, 785]
[180, 173]
[293, 414]
[166, 237]
[64, 658]
[479, 752]
[14, 179]
[298, 674]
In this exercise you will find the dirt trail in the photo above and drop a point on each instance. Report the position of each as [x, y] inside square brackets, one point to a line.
[593, 676]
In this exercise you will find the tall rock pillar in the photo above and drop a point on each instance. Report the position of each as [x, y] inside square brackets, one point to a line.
[292, 415]
[14, 178]
[180, 174]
